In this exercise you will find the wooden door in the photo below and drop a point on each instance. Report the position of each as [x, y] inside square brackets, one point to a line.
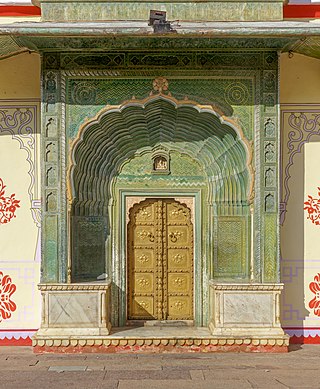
[160, 261]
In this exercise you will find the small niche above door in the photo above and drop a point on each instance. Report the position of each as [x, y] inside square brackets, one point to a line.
[161, 162]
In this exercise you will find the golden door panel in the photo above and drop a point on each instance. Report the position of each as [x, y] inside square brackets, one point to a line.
[144, 259]
[145, 214]
[179, 236]
[160, 261]
[179, 307]
[179, 283]
[179, 259]
[143, 283]
[144, 236]
[143, 307]
[177, 212]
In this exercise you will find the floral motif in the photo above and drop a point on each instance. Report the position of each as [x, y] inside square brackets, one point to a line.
[143, 259]
[143, 282]
[179, 305]
[175, 236]
[160, 84]
[8, 205]
[7, 288]
[312, 206]
[315, 288]
[178, 258]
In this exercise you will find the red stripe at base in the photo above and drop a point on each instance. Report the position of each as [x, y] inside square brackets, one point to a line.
[19, 10]
[16, 342]
[305, 339]
[299, 11]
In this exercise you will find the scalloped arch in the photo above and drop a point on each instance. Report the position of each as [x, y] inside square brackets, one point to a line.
[116, 134]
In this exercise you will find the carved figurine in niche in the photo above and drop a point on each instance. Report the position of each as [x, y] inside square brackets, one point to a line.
[270, 129]
[160, 164]
[269, 203]
[269, 153]
[269, 177]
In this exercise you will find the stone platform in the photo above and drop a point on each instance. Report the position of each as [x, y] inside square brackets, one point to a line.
[158, 339]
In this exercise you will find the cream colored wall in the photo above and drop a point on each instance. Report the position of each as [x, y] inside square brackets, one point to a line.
[300, 80]
[20, 77]
[300, 132]
[20, 172]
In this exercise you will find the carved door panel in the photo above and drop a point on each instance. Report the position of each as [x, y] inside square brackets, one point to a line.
[160, 261]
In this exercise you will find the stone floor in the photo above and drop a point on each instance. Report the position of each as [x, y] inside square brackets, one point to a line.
[22, 369]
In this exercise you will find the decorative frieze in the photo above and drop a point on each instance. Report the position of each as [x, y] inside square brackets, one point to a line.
[112, 344]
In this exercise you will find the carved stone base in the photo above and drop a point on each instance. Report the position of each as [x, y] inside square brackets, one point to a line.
[246, 311]
[74, 310]
[115, 344]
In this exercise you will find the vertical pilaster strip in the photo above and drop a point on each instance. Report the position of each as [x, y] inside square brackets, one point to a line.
[51, 174]
[270, 168]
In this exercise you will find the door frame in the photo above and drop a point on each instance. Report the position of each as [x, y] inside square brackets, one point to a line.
[119, 263]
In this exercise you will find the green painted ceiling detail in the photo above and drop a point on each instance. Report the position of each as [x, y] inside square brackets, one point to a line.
[9, 47]
[118, 134]
[133, 43]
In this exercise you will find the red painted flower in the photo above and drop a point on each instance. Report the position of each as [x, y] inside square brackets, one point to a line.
[315, 288]
[8, 205]
[7, 288]
[312, 206]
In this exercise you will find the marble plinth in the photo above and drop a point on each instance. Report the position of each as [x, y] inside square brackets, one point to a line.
[245, 310]
[74, 310]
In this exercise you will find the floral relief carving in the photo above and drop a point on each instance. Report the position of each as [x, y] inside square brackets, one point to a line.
[145, 234]
[143, 282]
[143, 259]
[312, 206]
[7, 288]
[179, 281]
[178, 258]
[160, 84]
[179, 305]
[175, 236]
[143, 305]
[8, 205]
[315, 288]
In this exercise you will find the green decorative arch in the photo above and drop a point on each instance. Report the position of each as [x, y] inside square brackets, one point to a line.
[118, 133]
[105, 154]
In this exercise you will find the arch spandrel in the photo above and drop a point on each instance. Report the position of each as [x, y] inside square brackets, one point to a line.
[118, 132]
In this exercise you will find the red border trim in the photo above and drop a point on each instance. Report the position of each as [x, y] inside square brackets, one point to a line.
[305, 339]
[16, 342]
[299, 11]
[19, 10]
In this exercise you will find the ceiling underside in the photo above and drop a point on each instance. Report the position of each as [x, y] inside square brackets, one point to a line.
[298, 37]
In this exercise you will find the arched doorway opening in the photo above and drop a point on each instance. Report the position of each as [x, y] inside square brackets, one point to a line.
[199, 153]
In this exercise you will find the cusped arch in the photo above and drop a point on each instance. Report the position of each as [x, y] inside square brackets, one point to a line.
[117, 133]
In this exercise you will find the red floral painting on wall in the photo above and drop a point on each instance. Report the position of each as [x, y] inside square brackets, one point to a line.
[7, 288]
[315, 288]
[312, 206]
[8, 205]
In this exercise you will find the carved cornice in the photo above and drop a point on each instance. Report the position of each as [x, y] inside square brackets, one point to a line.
[245, 287]
[72, 287]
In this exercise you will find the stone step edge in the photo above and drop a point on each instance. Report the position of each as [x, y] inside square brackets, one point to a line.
[74, 342]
